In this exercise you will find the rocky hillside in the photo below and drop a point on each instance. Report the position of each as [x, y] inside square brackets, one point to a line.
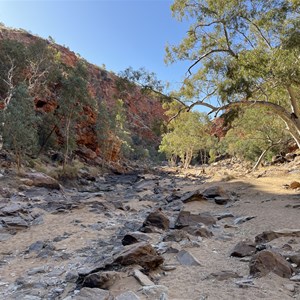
[144, 113]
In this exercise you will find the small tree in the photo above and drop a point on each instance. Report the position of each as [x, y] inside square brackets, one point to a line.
[20, 124]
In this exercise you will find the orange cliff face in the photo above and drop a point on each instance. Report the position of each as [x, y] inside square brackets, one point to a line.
[142, 111]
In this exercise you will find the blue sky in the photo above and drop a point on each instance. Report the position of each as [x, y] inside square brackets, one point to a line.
[117, 33]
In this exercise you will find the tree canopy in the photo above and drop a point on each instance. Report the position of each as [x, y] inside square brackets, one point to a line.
[242, 52]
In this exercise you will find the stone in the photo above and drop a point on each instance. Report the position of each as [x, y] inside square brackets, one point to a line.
[185, 218]
[142, 278]
[221, 200]
[101, 280]
[15, 222]
[223, 275]
[268, 236]
[176, 235]
[294, 185]
[267, 261]
[157, 219]
[213, 192]
[290, 287]
[295, 258]
[187, 259]
[92, 294]
[192, 196]
[241, 220]
[135, 237]
[142, 254]
[199, 230]
[224, 215]
[296, 278]
[129, 295]
[243, 248]
[159, 292]
[42, 180]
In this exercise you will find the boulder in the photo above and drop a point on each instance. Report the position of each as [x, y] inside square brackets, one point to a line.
[192, 196]
[199, 230]
[157, 219]
[267, 261]
[243, 248]
[213, 192]
[135, 237]
[185, 218]
[187, 259]
[142, 254]
[41, 180]
[268, 236]
[101, 280]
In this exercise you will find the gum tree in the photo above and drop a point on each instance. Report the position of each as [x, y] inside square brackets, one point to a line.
[242, 53]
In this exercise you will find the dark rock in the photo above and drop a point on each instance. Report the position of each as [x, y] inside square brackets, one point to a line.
[213, 192]
[176, 236]
[185, 218]
[221, 200]
[268, 236]
[142, 254]
[14, 222]
[199, 230]
[102, 280]
[192, 196]
[135, 237]
[267, 261]
[244, 248]
[157, 219]
[224, 215]
[187, 259]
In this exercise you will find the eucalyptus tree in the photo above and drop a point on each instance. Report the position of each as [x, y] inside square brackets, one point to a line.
[241, 53]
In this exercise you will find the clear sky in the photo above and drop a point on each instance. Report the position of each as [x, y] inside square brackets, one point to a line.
[117, 33]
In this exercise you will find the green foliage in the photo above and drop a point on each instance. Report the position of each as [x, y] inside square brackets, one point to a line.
[20, 124]
[188, 134]
[250, 136]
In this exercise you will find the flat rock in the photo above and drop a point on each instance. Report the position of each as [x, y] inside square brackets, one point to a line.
[157, 219]
[221, 200]
[214, 191]
[296, 278]
[15, 222]
[192, 196]
[185, 218]
[156, 292]
[101, 280]
[268, 236]
[187, 259]
[92, 294]
[223, 275]
[241, 220]
[41, 180]
[243, 248]
[199, 230]
[267, 261]
[142, 278]
[176, 235]
[129, 295]
[142, 254]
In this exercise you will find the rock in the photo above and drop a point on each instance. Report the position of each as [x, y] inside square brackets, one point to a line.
[295, 258]
[214, 191]
[243, 248]
[290, 287]
[176, 236]
[192, 196]
[294, 185]
[135, 237]
[268, 236]
[241, 220]
[267, 261]
[157, 219]
[185, 218]
[223, 275]
[92, 294]
[142, 254]
[221, 200]
[142, 278]
[42, 180]
[224, 215]
[159, 292]
[15, 222]
[102, 280]
[127, 296]
[187, 259]
[244, 283]
[199, 230]
[296, 278]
